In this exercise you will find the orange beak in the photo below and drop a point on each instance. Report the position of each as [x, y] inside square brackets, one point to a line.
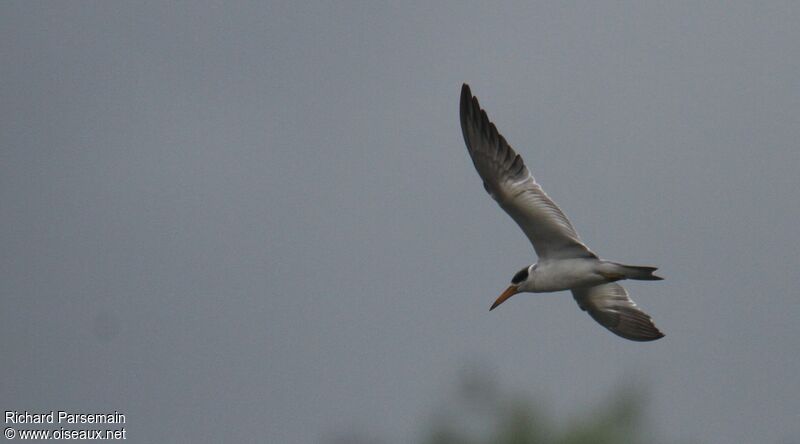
[510, 291]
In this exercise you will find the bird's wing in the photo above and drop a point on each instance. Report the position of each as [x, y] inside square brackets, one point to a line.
[610, 305]
[508, 181]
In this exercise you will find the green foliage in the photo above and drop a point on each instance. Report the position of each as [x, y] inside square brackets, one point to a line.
[481, 414]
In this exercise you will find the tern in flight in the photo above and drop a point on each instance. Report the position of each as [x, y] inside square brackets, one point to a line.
[565, 263]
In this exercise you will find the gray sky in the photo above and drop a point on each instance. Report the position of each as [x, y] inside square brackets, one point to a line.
[258, 222]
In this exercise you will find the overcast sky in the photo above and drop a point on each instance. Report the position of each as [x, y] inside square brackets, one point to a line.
[258, 221]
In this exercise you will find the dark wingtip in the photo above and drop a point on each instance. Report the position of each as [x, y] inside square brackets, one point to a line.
[466, 111]
[466, 97]
[466, 94]
[653, 335]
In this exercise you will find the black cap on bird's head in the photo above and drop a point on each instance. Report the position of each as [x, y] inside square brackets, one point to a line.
[520, 276]
[513, 289]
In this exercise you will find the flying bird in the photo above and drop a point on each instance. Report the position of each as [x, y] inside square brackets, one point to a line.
[565, 262]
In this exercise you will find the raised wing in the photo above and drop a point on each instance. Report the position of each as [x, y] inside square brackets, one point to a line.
[610, 305]
[508, 181]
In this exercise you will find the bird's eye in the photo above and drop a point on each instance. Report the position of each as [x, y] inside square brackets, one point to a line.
[520, 276]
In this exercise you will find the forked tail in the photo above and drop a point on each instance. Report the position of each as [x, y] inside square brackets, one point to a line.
[639, 273]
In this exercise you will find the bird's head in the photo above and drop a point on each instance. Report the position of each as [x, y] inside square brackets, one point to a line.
[521, 282]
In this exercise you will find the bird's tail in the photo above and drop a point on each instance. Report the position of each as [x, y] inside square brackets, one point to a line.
[639, 272]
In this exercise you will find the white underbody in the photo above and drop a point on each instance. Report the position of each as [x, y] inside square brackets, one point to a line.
[565, 274]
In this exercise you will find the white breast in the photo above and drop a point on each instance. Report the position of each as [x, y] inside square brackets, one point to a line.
[564, 274]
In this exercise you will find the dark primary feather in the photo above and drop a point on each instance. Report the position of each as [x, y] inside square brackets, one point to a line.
[508, 181]
[610, 305]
